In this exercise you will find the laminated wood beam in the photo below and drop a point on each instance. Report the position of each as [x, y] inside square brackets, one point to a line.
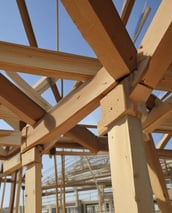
[158, 48]
[156, 177]
[87, 139]
[12, 164]
[164, 154]
[36, 61]
[69, 111]
[104, 32]
[18, 102]
[13, 139]
[158, 114]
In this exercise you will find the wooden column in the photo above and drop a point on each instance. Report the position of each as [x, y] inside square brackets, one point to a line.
[156, 176]
[33, 191]
[130, 181]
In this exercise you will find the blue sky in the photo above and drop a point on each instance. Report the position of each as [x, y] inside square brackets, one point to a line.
[43, 16]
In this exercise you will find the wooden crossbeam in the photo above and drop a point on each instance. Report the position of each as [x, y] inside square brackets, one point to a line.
[104, 31]
[69, 111]
[13, 139]
[18, 102]
[14, 57]
[164, 154]
[158, 114]
[87, 139]
[159, 48]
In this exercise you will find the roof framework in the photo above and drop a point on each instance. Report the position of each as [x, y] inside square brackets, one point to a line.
[121, 80]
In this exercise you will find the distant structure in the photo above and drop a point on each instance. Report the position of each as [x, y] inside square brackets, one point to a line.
[128, 162]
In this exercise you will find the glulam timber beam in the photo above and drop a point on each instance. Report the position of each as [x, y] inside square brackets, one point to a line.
[157, 48]
[164, 154]
[13, 139]
[69, 111]
[18, 102]
[19, 58]
[159, 113]
[87, 139]
[104, 32]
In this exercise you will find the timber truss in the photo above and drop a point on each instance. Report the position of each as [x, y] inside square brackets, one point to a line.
[121, 80]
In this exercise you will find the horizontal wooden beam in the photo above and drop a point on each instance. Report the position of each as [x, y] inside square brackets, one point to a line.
[12, 164]
[19, 58]
[164, 154]
[19, 103]
[105, 32]
[14, 139]
[69, 111]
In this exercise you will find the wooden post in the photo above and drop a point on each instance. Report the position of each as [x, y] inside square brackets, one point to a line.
[19, 178]
[33, 181]
[12, 192]
[156, 176]
[56, 180]
[130, 181]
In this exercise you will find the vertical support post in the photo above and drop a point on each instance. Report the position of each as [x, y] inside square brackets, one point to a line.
[33, 181]
[63, 184]
[3, 195]
[156, 176]
[19, 178]
[12, 192]
[130, 180]
[56, 180]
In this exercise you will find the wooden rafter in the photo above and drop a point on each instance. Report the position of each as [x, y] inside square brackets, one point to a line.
[18, 102]
[104, 31]
[19, 58]
[70, 110]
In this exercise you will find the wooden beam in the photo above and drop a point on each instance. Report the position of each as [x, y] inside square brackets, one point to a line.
[33, 186]
[105, 32]
[26, 22]
[69, 111]
[164, 154]
[12, 164]
[158, 114]
[156, 177]
[126, 10]
[131, 182]
[158, 47]
[18, 102]
[87, 139]
[29, 91]
[14, 139]
[163, 142]
[19, 58]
